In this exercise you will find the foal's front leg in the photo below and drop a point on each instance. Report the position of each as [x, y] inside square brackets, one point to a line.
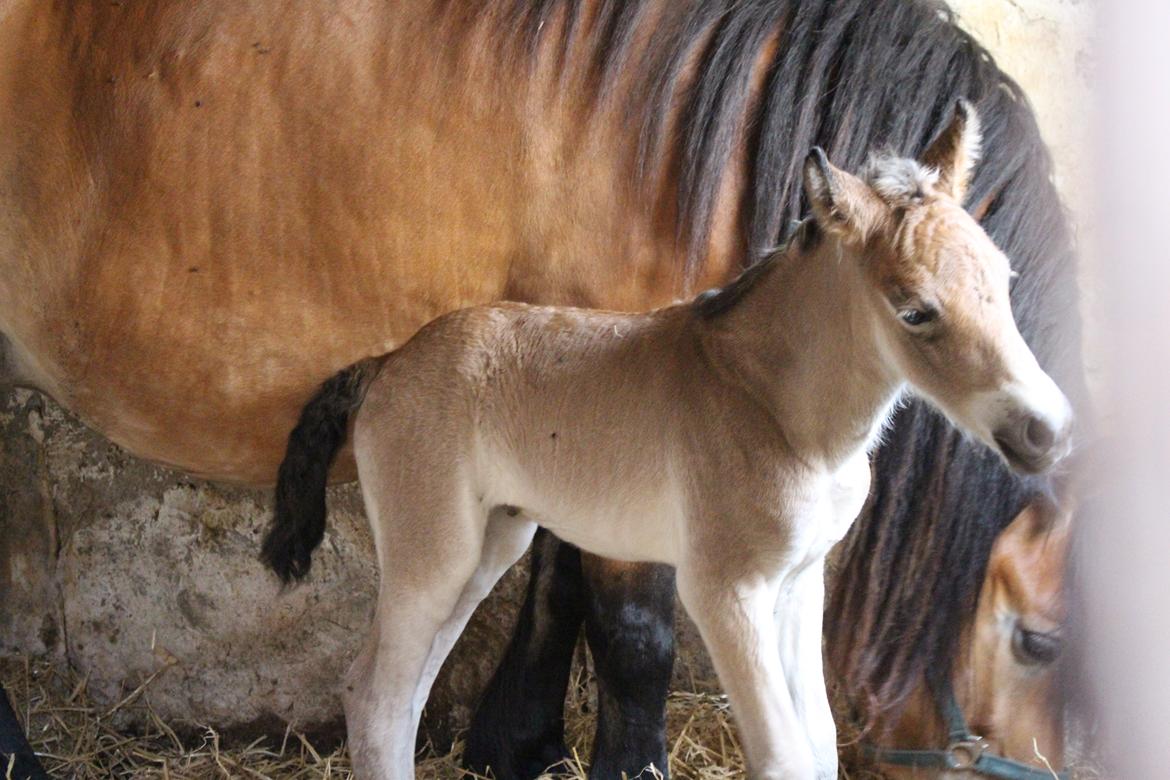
[734, 614]
[799, 615]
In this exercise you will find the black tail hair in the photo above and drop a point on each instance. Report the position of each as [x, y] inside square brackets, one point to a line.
[299, 524]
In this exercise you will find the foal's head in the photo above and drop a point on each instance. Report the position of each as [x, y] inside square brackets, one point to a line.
[938, 290]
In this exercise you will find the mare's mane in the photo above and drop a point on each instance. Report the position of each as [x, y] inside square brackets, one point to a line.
[851, 76]
[712, 303]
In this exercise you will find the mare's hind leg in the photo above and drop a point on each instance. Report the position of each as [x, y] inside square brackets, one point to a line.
[519, 726]
[630, 628]
[434, 571]
[16, 757]
[518, 729]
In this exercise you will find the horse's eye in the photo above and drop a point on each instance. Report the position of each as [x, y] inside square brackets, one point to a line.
[917, 317]
[1035, 647]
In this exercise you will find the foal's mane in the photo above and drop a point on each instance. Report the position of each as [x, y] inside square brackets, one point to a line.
[712, 303]
[851, 76]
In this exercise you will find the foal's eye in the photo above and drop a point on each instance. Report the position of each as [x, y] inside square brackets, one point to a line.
[917, 317]
[1035, 647]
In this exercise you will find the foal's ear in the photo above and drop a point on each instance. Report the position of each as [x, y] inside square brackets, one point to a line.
[842, 203]
[955, 153]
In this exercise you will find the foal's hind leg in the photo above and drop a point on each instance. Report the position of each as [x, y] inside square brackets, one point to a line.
[433, 576]
[519, 726]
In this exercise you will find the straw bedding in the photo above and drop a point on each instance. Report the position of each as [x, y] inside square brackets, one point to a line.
[78, 739]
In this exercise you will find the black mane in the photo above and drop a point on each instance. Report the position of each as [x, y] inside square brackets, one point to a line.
[711, 303]
[852, 76]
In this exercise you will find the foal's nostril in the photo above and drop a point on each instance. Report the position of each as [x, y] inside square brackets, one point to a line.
[1031, 444]
[1039, 435]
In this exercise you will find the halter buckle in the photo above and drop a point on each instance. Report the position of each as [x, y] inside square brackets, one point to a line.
[963, 754]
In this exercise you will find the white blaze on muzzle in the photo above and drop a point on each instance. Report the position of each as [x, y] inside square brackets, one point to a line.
[1028, 420]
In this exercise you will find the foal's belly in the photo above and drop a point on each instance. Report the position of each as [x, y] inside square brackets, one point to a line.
[647, 533]
[630, 515]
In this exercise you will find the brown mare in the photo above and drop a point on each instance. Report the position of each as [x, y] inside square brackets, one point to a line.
[188, 192]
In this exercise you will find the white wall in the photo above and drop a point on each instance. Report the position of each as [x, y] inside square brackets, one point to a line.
[1126, 542]
[1048, 46]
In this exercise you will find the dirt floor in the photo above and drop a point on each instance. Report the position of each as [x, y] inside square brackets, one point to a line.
[78, 740]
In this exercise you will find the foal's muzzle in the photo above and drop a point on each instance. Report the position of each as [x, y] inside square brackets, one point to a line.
[1032, 443]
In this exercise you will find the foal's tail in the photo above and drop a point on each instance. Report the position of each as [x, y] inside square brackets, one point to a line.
[299, 525]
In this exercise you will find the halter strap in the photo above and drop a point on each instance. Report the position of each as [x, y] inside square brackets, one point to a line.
[965, 752]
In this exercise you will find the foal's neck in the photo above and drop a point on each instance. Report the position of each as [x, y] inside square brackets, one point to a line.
[804, 341]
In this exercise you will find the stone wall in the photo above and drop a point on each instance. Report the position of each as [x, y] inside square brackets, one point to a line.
[128, 570]
[131, 571]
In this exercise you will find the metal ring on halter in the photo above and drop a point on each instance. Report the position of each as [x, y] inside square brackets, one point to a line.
[965, 753]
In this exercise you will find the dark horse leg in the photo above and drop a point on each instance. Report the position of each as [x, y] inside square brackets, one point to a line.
[630, 629]
[17, 759]
[518, 729]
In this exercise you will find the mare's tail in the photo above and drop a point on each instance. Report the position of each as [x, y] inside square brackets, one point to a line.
[299, 525]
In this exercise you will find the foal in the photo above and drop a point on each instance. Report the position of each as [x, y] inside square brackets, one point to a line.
[728, 437]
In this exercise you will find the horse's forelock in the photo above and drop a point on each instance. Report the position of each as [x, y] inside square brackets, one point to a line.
[898, 180]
